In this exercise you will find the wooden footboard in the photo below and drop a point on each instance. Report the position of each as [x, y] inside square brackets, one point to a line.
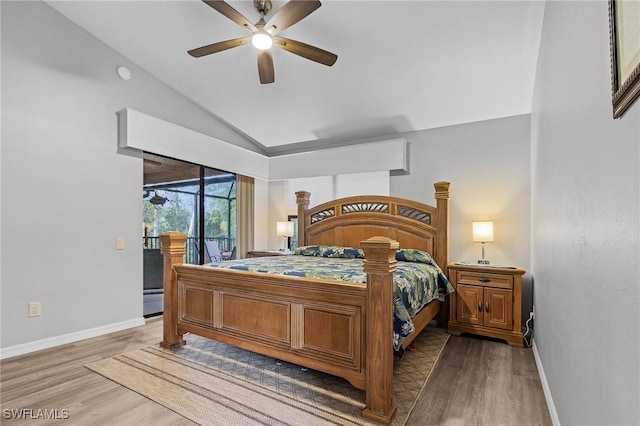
[322, 325]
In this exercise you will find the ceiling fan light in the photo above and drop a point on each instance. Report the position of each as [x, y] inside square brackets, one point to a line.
[262, 40]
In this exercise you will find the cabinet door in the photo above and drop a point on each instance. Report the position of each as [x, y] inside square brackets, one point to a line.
[469, 304]
[498, 308]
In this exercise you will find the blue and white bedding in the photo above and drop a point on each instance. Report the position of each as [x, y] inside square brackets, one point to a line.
[417, 280]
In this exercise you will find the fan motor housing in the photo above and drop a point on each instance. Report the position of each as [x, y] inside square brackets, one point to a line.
[263, 6]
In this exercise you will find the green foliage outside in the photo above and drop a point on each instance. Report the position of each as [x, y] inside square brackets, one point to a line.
[179, 213]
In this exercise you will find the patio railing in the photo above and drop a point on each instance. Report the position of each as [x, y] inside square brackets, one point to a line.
[192, 255]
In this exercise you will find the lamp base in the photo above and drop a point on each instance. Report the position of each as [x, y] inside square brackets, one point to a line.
[483, 262]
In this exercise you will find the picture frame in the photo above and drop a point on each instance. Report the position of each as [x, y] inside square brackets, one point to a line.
[624, 33]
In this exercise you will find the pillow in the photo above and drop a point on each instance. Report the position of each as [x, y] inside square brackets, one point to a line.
[331, 251]
[414, 255]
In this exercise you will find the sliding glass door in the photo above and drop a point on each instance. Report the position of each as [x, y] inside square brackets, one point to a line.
[217, 208]
[189, 198]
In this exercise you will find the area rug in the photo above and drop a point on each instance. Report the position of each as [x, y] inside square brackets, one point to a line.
[211, 383]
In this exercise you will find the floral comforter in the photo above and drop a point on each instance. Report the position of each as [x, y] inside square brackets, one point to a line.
[417, 280]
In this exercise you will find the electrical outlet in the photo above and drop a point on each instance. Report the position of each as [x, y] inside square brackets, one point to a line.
[119, 243]
[34, 309]
[531, 315]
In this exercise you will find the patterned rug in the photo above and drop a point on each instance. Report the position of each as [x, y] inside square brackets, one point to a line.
[212, 383]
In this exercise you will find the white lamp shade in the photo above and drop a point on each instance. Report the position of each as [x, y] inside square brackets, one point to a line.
[482, 232]
[284, 229]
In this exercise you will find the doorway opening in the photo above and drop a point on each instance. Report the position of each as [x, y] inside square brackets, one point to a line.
[195, 200]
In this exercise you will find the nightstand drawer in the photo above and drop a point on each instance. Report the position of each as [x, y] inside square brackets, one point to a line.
[485, 279]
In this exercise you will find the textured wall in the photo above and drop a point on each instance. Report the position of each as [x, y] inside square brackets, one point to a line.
[585, 223]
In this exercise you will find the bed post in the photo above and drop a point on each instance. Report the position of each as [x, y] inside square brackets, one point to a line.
[173, 250]
[302, 198]
[379, 265]
[442, 204]
[442, 244]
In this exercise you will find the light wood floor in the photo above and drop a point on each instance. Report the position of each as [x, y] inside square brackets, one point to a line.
[475, 382]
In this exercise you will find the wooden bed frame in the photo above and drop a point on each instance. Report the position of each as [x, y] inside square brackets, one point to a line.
[339, 328]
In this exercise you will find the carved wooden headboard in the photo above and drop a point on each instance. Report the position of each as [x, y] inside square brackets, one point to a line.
[349, 221]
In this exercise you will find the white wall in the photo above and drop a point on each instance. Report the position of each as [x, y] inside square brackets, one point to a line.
[277, 211]
[67, 193]
[282, 198]
[585, 224]
[327, 188]
[487, 164]
[261, 222]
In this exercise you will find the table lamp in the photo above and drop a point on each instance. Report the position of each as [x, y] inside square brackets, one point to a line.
[284, 229]
[483, 233]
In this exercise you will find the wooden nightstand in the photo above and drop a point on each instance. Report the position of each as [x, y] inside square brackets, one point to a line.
[487, 301]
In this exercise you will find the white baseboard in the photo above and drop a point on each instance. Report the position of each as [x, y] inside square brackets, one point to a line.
[545, 386]
[50, 342]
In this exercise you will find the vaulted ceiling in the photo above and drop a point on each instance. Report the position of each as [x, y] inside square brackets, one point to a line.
[402, 65]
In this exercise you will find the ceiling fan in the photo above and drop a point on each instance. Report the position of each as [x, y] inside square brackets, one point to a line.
[156, 200]
[265, 34]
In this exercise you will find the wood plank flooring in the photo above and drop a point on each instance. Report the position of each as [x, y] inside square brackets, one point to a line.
[475, 382]
[478, 381]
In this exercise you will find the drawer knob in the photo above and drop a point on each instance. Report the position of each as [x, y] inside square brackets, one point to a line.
[484, 279]
[487, 306]
[479, 306]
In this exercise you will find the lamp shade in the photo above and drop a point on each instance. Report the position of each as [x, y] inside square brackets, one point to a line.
[482, 232]
[284, 229]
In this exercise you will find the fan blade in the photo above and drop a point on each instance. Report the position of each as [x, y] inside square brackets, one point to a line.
[228, 11]
[265, 67]
[218, 47]
[293, 11]
[306, 51]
